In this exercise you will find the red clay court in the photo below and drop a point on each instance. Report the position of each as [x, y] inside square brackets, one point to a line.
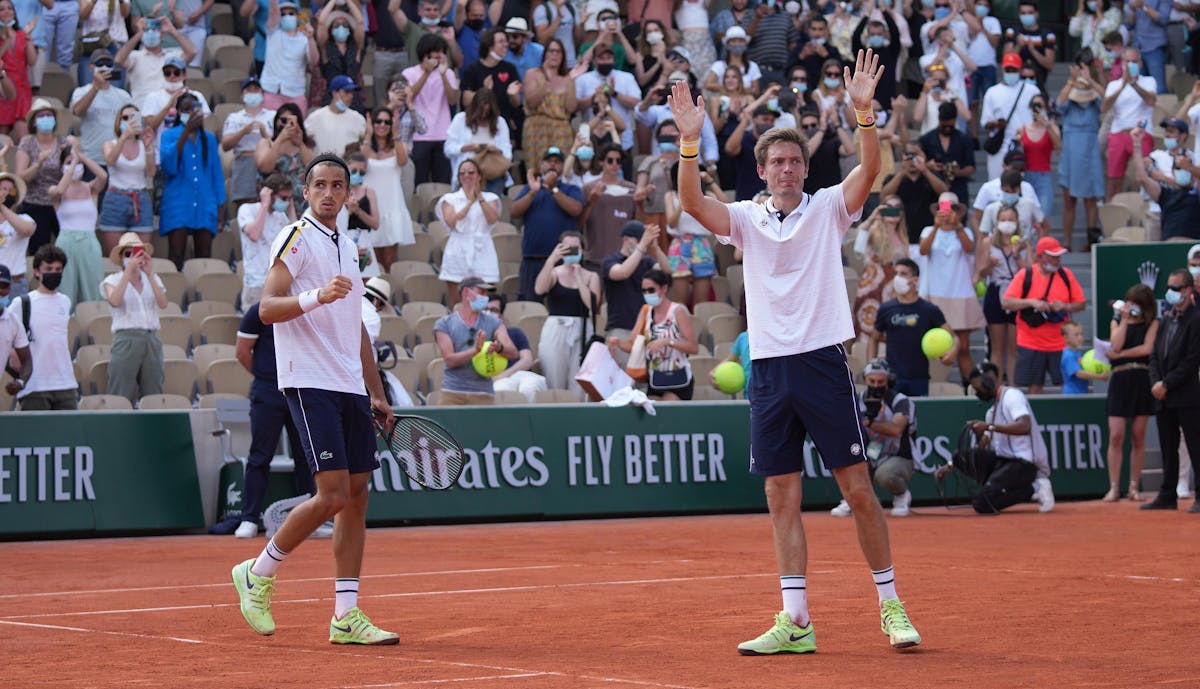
[1091, 595]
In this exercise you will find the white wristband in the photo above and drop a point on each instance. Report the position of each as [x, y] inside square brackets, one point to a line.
[309, 300]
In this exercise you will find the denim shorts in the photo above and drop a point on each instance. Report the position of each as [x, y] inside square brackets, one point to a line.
[119, 212]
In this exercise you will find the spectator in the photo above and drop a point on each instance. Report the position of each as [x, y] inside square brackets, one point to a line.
[523, 52]
[1161, 167]
[1093, 21]
[571, 293]
[773, 38]
[1079, 167]
[144, 67]
[1014, 460]
[956, 65]
[470, 23]
[30, 13]
[1110, 62]
[934, 94]
[816, 50]
[1018, 189]
[623, 271]
[739, 354]
[288, 151]
[1148, 20]
[653, 177]
[830, 97]
[1029, 214]
[732, 97]
[557, 20]
[651, 66]
[902, 323]
[890, 420]
[582, 166]
[291, 53]
[61, 20]
[549, 103]
[1189, 111]
[15, 230]
[946, 16]
[479, 133]
[406, 124]
[519, 376]
[428, 12]
[260, 222]
[342, 46]
[736, 14]
[1178, 200]
[13, 338]
[194, 186]
[608, 36]
[377, 298]
[1039, 318]
[386, 155]
[52, 386]
[1036, 46]
[131, 161]
[949, 248]
[136, 295]
[611, 88]
[434, 90]
[884, 38]
[653, 111]
[74, 200]
[1075, 378]
[691, 17]
[494, 72]
[361, 215]
[690, 252]
[461, 335]
[740, 146]
[17, 54]
[949, 152]
[608, 204]
[670, 340]
[1131, 100]
[1001, 255]
[1132, 334]
[1006, 109]
[1173, 365]
[336, 126]
[102, 28]
[39, 165]
[549, 206]
[882, 241]
[470, 213]
[917, 183]
[1040, 140]
[162, 105]
[735, 50]
[393, 51]
[241, 133]
[97, 104]
[983, 32]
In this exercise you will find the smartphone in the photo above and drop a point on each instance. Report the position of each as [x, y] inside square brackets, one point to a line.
[586, 130]
[571, 251]
[153, 24]
[945, 207]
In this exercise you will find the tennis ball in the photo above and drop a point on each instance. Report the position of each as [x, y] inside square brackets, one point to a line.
[488, 363]
[936, 343]
[730, 377]
[1093, 365]
[980, 288]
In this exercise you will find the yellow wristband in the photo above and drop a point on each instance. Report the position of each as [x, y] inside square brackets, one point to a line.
[866, 119]
[689, 149]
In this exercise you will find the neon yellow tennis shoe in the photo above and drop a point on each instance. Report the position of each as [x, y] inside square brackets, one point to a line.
[254, 592]
[356, 628]
[784, 637]
[894, 622]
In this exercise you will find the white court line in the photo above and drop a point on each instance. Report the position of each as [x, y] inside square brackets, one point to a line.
[100, 631]
[448, 681]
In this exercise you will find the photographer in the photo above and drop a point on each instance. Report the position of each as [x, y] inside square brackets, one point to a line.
[97, 105]
[919, 187]
[1044, 296]
[890, 420]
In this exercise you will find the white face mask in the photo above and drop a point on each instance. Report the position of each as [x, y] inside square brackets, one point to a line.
[172, 86]
[76, 173]
[901, 284]
[1007, 226]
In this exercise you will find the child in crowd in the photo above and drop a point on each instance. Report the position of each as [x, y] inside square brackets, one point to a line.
[1075, 378]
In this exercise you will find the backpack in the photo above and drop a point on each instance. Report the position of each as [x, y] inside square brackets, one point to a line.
[26, 310]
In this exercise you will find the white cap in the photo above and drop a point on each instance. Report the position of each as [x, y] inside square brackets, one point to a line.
[734, 33]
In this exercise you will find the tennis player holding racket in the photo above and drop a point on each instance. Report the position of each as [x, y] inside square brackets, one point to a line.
[798, 316]
[324, 355]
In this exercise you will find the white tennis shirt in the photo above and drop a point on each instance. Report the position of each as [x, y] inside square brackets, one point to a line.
[796, 298]
[320, 349]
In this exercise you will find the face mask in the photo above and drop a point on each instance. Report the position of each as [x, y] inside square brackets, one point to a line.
[151, 39]
[885, 3]
[901, 284]
[1134, 69]
[737, 48]
[818, 41]
[356, 178]
[45, 125]
[279, 206]
[761, 128]
[252, 100]
[654, 38]
[76, 172]
[1183, 178]
[1009, 198]
[125, 262]
[585, 153]
[1091, 5]
[479, 302]
[652, 299]
[773, 103]
[846, 7]
[941, 13]
[927, 3]
[341, 33]
[876, 41]
[1028, 20]
[810, 132]
[10, 23]
[1011, 78]
[289, 23]
[1049, 268]
[604, 70]
[184, 117]
[1007, 226]
[667, 146]
[434, 21]
[1194, 270]
[946, 131]
[339, 105]
[800, 86]
[1173, 297]
[1170, 144]
[792, 7]
[172, 86]
[832, 83]
[51, 281]
[575, 258]
[496, 56]
[10, 202]
[1030, 81]
[4, 302]
[982, 10]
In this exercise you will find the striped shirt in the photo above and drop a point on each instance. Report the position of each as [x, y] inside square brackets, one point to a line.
[769, 45]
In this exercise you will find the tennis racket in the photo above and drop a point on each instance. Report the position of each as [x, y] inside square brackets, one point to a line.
[427, 452]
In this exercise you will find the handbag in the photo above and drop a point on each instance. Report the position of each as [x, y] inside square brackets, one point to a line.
[1033, 318]
[636, 366]
[670, 380]
[995, 140]
[492, 165]
[87, 43]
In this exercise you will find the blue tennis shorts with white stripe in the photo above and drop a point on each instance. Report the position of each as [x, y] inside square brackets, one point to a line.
[336, 429]
[794, 396]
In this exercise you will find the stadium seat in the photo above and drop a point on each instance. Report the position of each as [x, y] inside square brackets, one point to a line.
[737, 284]
[222, 287]
[179, 378]
[163, 265]
[204, 354]
[705, 392]
[423, 331]
[58, 85]
[1131, 233]
[176, 286]
[424, 353]
[531, 324]
[720, 290]
[99, 331]
[199, 310]
[104, 403]
[510, 398]
[403, 268]
[85, 358]
[1134, 201]
[438, 231]
[424, 287]
[176, 330]
[1113, 216]
[193, 268]
[171, 351]
[514, 311]
[425, 195]
[220, 329]
[435, 371]
[702, 366]
[508, 248]
[433, 399]
[724, 327]
[395, 330]
[164, 402]
[509, 286]
[88, 311]
[239, 57]
[227, 245]
[414, 311]
[408, 372]
[98, 377]
[210, 400]
[722, 350]
[422, 249]
[944, 389]
[215, 42]
[228, 376]
[504, 228]
[938, 372]
[705, 310]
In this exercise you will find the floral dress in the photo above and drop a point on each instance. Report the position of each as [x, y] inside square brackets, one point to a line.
[549, 124]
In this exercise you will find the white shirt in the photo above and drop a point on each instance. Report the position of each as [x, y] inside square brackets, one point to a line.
[12, 333]
[320, 349]
[543, 15]
[256, 256]
[956, 73]
[1193, 116]
[1129, 109]
[980, 49]
[1010, 406]
[708, 135]
[333, 132]
[139, 310]
[460, 134]
[989, 192]
[752, 73]
[958, 27]
[795, 289]
[52, 368]
[998, 101]
[239, 119]
[950, 269]
[96, 126]
[12, 247]
[144, 73]
[1029, 213]
[285, 67]
[371, 320]
[623, 83]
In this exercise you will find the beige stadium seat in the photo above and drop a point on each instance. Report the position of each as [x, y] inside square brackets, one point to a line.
[724, 327]
[424, 287]
[1112, 217]
[435, 371]
[239, 57]
[408, 372]
[163, 265]
[215, 42]
[104, 403]
[222, 287]
[509, 287]
[203, 355]
[58, 85]
[424, 197]
[514, 311]
[423, 331]
[503, 228]
[1129, 234]
[220, 329]
[401, 269]
[1134, 201]
[395, 330]
[85, 358]
[164, 402]
[510, 398]
[227, 245]
[556, 397]
[98, 375]
[433, 399]
[171, 351]
[938, 372]
[721, 290]
[228, 375]
[422, 249]
[210, 400]
[701, 367]
[88, 311]
[179, 378]
[423, 354]
[531, 325]
[176, 330]
[705, 310]
[508, 248]
[176, 286]
[414, 311]
[199, 310]
[172, 309]
[438, 231]
[737, 284]
[99, 331]
[193, 268]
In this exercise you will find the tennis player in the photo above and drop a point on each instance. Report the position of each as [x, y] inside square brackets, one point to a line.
[324, 356]
[798, 316]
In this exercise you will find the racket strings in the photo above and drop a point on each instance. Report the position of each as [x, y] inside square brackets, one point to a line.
[428, 453]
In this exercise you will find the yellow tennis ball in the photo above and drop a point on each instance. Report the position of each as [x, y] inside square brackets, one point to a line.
[980, 288]
[488, 363]
[1091, 364]
[730, 377]
[936, 343]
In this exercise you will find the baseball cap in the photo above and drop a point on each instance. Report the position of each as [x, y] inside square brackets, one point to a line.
[554, 151]
[877, 366]
[1012, 60]
[1175, 123]
[342, 83]
[600, 50]
[634, 229]
[1014, 157]
[476, 282]
[1050, 247]
[5, 275]
[99, 55]
[289, 3]
[379, 288]
[1192, 252]
[681, 52]
[176, 62]
[251, 80]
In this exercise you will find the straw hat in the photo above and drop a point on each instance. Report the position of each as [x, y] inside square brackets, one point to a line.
[39, 105]
[128, 240]
[18, 184]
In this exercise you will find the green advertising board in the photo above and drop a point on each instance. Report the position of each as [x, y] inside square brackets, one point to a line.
[1118, 266]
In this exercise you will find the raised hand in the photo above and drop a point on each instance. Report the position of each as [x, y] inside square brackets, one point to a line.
[862, 83]
[337, 288]
[689, 117]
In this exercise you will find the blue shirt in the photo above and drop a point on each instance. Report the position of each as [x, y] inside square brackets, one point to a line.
[27, 11]
[194, 188]
[263, 365]
[1147, 33]
[741, 349]
[545, 221]
[1073, 384]
[468, 42]
[531, 57]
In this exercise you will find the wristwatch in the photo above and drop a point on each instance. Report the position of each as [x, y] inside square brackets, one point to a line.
[554, 190]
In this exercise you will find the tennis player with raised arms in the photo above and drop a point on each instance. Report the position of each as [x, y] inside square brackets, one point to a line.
[324, 357]
[798, 317]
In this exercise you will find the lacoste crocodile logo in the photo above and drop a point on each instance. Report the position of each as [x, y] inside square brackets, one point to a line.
[326, 455]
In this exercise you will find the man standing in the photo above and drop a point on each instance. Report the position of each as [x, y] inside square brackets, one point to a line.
[1131, 99]
[13, 338]
[902, 323]
[144, 67]
[336, 126]
[1035, 45]
[742, 147]
[1149, 19]
[523, 52]
[622, 274]
[1173, 366]
[52, 387]
[97, 105]
[241, 133]
[15, 231]
[261, 222]
[623, 96]
[550, 207]
[494, 71]
[461, 335]
[322, 355]
[950, 153]
[1006, 109]
[1178, 201]
[919, 187]
[801, 383]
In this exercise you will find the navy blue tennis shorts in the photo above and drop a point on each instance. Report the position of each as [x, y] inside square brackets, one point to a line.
[336, 429]
[794, 396]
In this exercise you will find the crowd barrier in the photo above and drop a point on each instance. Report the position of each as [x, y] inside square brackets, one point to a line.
[152, 472]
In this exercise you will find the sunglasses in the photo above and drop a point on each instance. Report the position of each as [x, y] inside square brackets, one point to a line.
[388, 121]
[1177, 288]
[172, 72]
[649, 290]
[287, 13]
[833, 74]
[613, 161]
[102, 65]
[129, 117]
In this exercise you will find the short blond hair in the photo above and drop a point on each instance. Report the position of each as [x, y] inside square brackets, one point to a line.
[1070, 325]
[786, 135]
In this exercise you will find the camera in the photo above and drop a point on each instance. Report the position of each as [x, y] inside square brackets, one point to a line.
[153, 24]
[571, 251]
[873, 400]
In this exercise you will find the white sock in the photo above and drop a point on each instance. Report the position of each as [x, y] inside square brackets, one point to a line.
[345, 592]
[268, 560]
[795, 597]
[885, 584]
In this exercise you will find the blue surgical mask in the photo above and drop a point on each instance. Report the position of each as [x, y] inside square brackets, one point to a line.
[45, 125]
[982, 10]
[736, 48]
[479, 302]
[940, 13]
[1009, 198]
[585, 153]
[1091, 5]
[1194, 270]
[801, 86]
[1030, 81]
[5, 301]
[876, 41]
[667, 147]
[279, 206]
[1173, 297]
[1134, 69]
[572, 258]
[773, 103]
[1170, 143]
[818, 41]
[356, 178]
[654, 300]
[289, 22]
[252, 100]
[1028, 20]
[339, 105]
[152, 39]
[832, 83]
[1183, 177]
[124, 126]
[430, 21]
[928, 3]
[1012, 78]
[341, 33]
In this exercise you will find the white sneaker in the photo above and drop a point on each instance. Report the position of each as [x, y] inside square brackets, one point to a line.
[324, 531]
[1183, 491]
[1043, 492]
[842, 510]
[246, 530]
[900, 504]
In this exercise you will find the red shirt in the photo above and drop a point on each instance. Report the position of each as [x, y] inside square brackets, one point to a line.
[1047, 337]
[1037, 153]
